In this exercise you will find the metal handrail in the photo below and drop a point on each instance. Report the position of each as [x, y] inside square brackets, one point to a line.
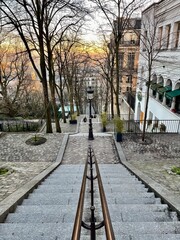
[78, 219]
[105, 210]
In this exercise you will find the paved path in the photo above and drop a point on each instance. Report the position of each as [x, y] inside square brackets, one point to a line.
[26, 161]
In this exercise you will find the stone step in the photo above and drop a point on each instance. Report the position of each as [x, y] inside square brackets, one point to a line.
[117, 216]
[57, 189]
[63, 229]
[74, 200]
[74, 188]
[123, 208]
[117, 237]
[126, 186]
[146, 228]
[138, 208]
[138, 237]
[61, 180]
[63, 216]
[41, 209]
[36, 230]
[115, 197]
[50, 199]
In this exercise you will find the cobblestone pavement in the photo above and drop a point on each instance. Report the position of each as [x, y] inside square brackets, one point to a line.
[155, 159]
[26, 161]
[76, 151]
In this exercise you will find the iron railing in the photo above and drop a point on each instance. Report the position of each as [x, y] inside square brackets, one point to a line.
[91, 160]
[20, 125]
[152, 126]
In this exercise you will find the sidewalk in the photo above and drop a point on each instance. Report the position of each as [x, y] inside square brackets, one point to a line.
[26, 162]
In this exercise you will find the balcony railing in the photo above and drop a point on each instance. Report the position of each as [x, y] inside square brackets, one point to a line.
[130, 43]
[152, 126]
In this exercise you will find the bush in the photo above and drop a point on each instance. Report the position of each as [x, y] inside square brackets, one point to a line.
[104, 119]
[119, 125]
[74, 116]
[162, 127]
[176, 170]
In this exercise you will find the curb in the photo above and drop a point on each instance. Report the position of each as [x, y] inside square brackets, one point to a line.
[9, 204]
[155, 187]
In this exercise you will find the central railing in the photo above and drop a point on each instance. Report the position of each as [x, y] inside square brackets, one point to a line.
[106, 222]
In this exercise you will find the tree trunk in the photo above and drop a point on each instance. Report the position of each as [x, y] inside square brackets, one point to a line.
[47, 108]
[117, 80]
[112, 102]
[55, 109]
[146, 106]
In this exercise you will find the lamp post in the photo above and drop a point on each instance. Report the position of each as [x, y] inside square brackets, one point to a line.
[90, 92]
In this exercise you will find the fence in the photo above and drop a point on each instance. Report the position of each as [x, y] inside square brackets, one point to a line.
[20, 125]
[152, 126]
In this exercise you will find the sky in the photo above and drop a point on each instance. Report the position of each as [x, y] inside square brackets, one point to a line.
[92, 23]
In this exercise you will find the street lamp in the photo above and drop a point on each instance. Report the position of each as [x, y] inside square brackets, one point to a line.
[90, 92]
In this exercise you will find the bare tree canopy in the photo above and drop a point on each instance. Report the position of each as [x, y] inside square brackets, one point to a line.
[41, 25]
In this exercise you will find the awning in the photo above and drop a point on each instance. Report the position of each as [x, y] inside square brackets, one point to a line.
[155, 86]
[164, 89]
[67, 109]
[172, 94]
[149, 82]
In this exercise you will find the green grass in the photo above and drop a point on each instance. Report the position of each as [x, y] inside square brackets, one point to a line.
[176, 170]
[3, 171]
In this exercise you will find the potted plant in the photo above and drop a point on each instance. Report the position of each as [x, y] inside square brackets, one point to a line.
[73, 119]
[149, 122]
[155, 126]
[162, 127]
[119, 126]
[104, 121]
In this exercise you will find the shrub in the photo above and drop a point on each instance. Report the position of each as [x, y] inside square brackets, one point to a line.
[176, 170]
[104, 119]
[119, 124]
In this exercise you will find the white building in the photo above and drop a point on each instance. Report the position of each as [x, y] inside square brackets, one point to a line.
[162, 21]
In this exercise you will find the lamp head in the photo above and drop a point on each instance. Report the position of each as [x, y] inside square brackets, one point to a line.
[90, 92]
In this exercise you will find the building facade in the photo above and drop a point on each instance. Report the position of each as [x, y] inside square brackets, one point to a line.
[128, 60]
[164, 76]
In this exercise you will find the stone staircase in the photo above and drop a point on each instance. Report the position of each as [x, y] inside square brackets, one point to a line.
[135, 213]
[48, 213]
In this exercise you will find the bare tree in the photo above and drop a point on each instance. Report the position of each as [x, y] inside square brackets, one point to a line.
[105, 62]
[117, 14]
[41, 24]
[14, 77]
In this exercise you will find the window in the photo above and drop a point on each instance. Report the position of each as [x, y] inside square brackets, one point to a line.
[177, 34]
[168, 29]
[160, 37]
[128, 89]
[145, 41]
[131, 58]
[129, 78]
[121, 60]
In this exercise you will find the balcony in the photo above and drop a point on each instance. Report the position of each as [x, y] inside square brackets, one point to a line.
[130, 43]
